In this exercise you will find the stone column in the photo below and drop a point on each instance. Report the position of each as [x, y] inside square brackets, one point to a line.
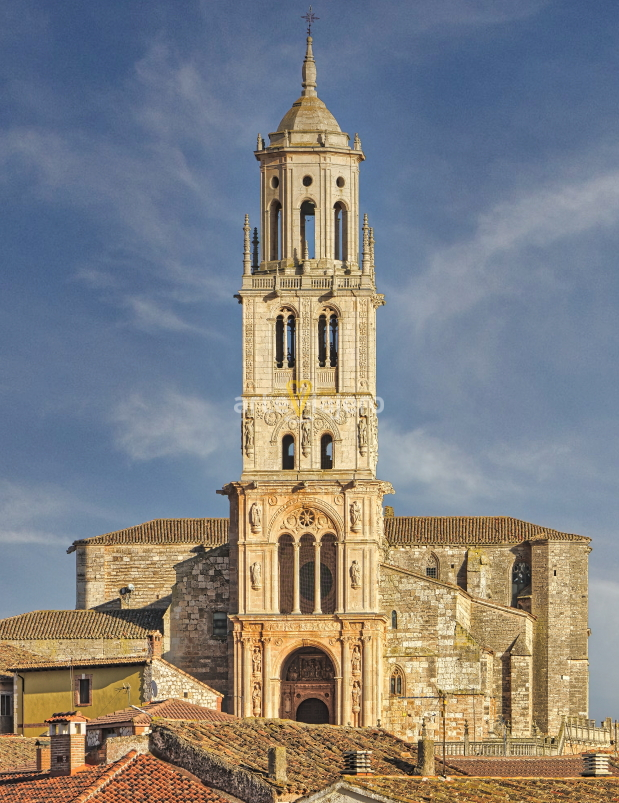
[267, 701]
[296, 603]
[345, 697]
[317, 605]
[366, 670]
[247, 671]
[238, 674]
[339, 577]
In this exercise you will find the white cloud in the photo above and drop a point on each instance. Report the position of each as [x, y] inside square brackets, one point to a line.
[26, 513]
[169, 425]
[493, 261]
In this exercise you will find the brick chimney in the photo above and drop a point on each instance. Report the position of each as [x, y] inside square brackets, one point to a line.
[67, 734]
[596, 764]
[154, 645]
[357, 762]
[43, 757]
[277, 764]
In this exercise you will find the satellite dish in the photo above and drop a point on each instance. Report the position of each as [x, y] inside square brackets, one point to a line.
[153, 689]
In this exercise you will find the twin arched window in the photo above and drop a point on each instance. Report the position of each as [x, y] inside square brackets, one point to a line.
[288, 452]
[328, 337]
[396, 682]
[285, 340]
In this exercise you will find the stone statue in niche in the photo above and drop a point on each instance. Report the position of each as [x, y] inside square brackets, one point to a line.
[256, 661]
[356, 702]
[255, 575]
[355, 574]
[248, 433]
[355, 516]
[287, 703]
[255, 518]
[356, 659]
[306, 434]
[256, 700]
[362, 434]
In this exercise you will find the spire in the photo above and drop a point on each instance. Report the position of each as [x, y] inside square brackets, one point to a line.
[309, 72]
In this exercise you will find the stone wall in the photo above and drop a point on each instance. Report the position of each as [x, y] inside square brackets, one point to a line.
[64, 649]
[173, 682]
[202, 587]
[101, 572]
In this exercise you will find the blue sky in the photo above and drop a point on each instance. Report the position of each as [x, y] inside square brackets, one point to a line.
[492, 181]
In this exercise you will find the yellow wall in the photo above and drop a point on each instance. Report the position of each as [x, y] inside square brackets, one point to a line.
[50, 691]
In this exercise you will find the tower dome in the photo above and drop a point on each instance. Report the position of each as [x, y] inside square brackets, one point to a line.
[308, 121]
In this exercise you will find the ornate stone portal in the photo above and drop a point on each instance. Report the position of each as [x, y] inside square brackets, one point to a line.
[308, 688]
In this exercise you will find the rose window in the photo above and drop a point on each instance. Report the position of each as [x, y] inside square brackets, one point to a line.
[306, 518]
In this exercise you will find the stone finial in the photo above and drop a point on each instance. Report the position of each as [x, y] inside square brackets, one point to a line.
[425, 758]
[365, 263]
[309, 72]
[260, 143]
[246, 258]
[277, 764]
[255, 242]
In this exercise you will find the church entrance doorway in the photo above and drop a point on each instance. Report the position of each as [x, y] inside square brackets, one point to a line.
[308, 687]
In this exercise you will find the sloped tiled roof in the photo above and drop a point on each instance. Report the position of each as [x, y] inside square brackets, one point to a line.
[81, 624]
[211, 532]
[493, 790]
[80, 663]
[172, 708]
[17, 753]
[314, 753]
[517, 767]
[467, 530]
[133, 779]
[11, 656]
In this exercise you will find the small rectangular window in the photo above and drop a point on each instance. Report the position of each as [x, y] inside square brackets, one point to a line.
[83, 690]
[220, 625]
[430, 571]
[6, 707]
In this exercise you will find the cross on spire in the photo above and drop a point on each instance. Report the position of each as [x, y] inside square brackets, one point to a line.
[310, 18]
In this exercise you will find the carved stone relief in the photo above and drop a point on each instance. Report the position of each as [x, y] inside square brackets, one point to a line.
[355, 574]
[256, 699]
[255, 574]
[256, 661]
[355, 516]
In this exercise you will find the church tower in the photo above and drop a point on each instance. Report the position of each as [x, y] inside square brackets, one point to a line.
[306, 516]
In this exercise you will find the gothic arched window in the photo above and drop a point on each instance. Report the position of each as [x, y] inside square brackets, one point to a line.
[285, 339]
[432, 567]
[328, 340]
[326, 451]
[276, 230]
[288, 453]
[396, 682]
[394, 620]
[340, 227]
[308, 218]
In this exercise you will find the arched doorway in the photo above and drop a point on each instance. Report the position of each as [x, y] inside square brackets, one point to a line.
[308, 687]
[313, 711]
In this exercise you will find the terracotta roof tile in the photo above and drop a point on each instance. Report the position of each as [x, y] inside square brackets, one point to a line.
[81, 624]
[212, 532]
[79, 663]
[493, 790]
[172, 708]
[10, 656]
[525, 767]
[133, 779]
[467, 530]
[17, 753]
[314, 753]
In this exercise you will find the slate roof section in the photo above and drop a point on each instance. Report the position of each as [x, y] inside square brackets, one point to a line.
[492, 790]
[525, 767]
[10, 656]
[210, 532]
[405, 530]
[314, 753]
[172, 708]
[82, 624]
[135, 778]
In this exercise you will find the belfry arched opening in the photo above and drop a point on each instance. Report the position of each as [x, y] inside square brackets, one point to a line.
[308, 687]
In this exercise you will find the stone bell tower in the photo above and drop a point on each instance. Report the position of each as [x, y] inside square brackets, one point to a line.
[306, 515]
